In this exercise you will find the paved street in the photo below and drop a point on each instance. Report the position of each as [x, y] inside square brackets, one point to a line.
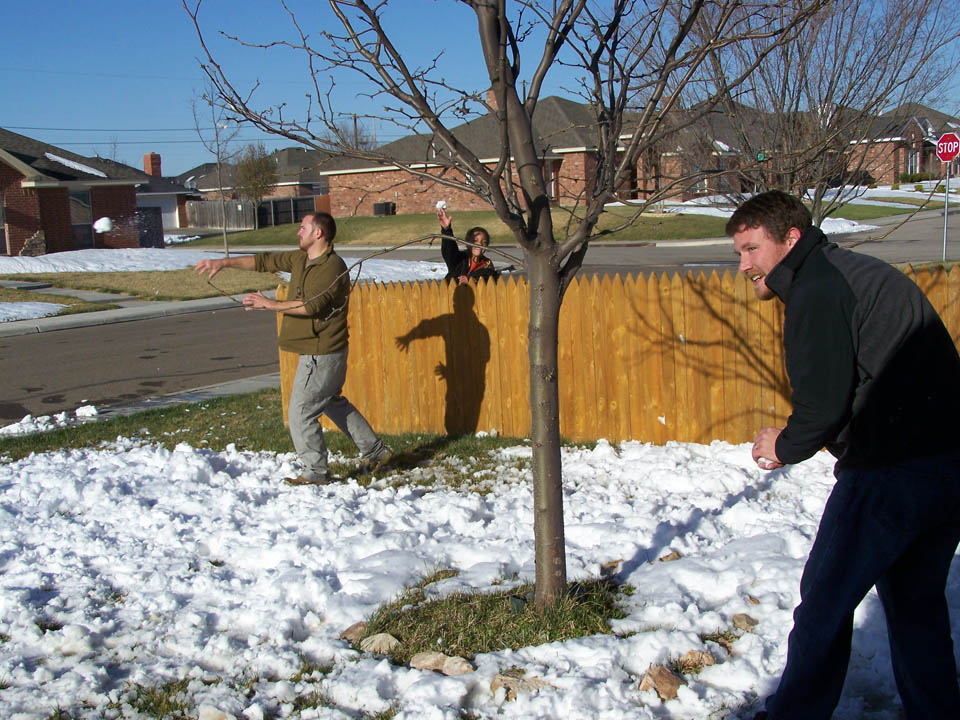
[45, 373]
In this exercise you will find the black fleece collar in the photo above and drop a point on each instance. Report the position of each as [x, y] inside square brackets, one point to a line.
[780, 278]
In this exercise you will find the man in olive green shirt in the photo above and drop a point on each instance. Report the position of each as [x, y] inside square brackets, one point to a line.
[314, 326]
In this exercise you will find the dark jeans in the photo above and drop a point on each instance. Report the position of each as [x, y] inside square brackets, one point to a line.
[896, 528]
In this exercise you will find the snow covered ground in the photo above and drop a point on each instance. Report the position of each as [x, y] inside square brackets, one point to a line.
[132, 564]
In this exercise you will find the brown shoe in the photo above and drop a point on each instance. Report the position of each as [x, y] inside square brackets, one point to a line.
[383, 462]
[301, 480]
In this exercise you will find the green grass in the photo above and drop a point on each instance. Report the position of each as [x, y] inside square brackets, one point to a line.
[182, 284]
[254, 422]
[870, 212]
[465, 624]
[71, 305]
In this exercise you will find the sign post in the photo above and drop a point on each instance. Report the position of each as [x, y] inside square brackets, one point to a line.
[948, 146]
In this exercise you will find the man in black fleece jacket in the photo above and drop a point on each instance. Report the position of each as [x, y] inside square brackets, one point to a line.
[875, 379]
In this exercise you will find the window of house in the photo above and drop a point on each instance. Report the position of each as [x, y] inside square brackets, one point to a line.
[913, 161]
[81, 219]
[549, 179]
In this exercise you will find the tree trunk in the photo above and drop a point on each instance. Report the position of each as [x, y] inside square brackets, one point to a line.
[542, 338]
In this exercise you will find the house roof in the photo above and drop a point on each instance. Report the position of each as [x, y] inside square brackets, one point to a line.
[148, 184]
[559, 125]
[43, 164]
[932, 122]
[293, 166]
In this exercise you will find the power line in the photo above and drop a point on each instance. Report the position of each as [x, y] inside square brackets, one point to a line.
[30, 127]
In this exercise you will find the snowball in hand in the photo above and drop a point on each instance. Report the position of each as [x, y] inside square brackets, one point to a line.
[441, 204]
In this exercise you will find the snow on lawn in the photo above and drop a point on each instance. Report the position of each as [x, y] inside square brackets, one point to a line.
[42, 423]
[27, 310]
[132, 564]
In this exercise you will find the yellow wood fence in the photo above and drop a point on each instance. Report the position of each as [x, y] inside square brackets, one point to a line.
[652, 358]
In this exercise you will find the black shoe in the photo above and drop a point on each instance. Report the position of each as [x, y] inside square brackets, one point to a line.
[762, 715]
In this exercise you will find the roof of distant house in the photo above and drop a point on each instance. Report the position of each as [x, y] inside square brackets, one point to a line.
[47, 164]
[560, 125]
[293, 166]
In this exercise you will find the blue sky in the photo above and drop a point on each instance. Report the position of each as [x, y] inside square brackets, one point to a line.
[117, 77]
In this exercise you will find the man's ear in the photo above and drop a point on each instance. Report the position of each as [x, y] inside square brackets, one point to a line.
[793, 234]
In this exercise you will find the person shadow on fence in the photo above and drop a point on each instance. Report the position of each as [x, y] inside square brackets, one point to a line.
[467, 352]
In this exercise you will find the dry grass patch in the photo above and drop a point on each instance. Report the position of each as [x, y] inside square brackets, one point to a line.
[71, 305]
[182, 284]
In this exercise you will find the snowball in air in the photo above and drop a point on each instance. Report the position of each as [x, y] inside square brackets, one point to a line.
[103, 225]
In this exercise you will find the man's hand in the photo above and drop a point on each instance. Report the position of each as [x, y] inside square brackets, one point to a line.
[462, 279]
[211, 267]
[765, 448]
[258, 300]
[440, 371]
[444, 219]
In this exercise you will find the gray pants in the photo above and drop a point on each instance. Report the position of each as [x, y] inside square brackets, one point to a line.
[316, 391]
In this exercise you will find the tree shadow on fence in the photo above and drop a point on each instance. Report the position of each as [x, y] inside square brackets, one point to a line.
[724, 350]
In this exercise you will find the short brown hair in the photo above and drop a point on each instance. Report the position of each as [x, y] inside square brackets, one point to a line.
[775, 211]
[326, 223]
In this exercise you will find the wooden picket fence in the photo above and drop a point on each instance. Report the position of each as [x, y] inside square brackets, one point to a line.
[655, 358]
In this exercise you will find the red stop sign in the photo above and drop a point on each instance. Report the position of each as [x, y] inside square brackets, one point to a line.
[948, 146]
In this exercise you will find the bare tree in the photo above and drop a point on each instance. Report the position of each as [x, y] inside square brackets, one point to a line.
[216, 139]
[635, 59]
[808, 115]
[254, 175]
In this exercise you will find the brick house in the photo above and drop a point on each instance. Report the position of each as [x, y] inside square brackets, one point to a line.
[904, 141]
[565, 140]
[52, 197]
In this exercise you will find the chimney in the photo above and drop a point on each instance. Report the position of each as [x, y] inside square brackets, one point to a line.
[151, 164]
[492, 100]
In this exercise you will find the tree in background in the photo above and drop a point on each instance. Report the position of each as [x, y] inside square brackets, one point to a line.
[634, 62]
[217, 140]
[254, 176]
[805, 117]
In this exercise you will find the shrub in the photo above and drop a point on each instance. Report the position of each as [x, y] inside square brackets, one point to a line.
[918, 187]
[895, 186]
[916, 177]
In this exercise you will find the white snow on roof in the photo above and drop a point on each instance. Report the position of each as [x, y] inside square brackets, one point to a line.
[74, 165]
[722, 146]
